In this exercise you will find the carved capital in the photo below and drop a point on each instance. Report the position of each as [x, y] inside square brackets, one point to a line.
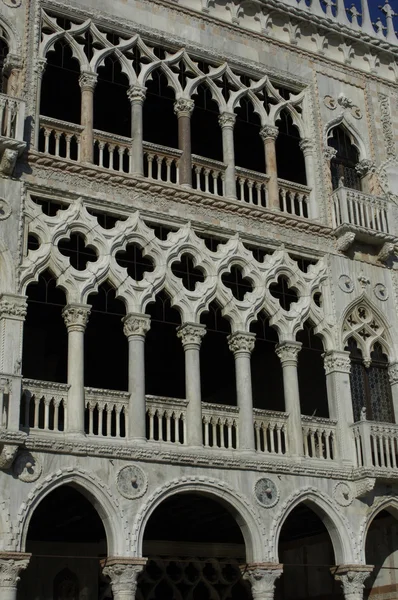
[306, 146]
[191, 334]
[329, 153]
[352, 578]
[241, 342]
[136, 325]
[183, 107]
[123, 573]
[262, 578]
[13, 307]
[288, 352]
[11, 63]
[88, 80]
[40, 66]
[269, 132]
[11, 565]
[76, 316]
[227, 120]
[393, 373]
[136, 94]
[337, 362]
[365, 166]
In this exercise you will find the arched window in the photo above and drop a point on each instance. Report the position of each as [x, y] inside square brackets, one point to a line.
[3, 56]
[370, 386]
[343, 165]
[289, 156]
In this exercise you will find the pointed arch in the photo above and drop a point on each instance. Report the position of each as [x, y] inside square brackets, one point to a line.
[353, 132]
[389, 504]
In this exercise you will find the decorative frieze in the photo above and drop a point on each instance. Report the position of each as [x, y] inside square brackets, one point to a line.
[76, 316]
[135, 324]
[386, 122]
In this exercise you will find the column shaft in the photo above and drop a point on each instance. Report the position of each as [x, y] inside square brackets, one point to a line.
[135, 328]
[242, 344]
[76, 317]
[288, 354]
[87, 83]
[183, 109]
[227, 122]
[39, 71]
[191, 336]
[136, 96]
[269, 133]
[307, 148]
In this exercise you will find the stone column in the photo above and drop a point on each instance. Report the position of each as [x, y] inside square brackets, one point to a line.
[39, 72]
[136, 94]
[11, 566]
[87, 82]
[123, 573]
[191, 335]
[307, 148]
[268, 134]
[183, 108]
[242, 344]
[288, 354]
[337, 367]
[262, 578]
[352, 579]
[135, 328]
[227, 122]
[12, 317]
[76, 318]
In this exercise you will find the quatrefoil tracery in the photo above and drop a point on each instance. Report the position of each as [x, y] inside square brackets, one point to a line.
[364, 326]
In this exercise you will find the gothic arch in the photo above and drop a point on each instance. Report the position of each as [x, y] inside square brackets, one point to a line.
[102, 499]
[240, 507]
[340, 532]
[353, 133]
[387, 503]
[9, 34]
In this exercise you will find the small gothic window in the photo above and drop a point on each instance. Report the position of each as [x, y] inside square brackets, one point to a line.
[3, 56]
[343, 165]
[370, 386]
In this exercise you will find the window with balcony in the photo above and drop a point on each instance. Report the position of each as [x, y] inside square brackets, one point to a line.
[343, 165]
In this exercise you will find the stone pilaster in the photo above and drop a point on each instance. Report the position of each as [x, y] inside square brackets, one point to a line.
[227, 123]
[262, 578]
[183, 107]
[76, 318]
[288, 355]
[136, 95]
[191, 335]
[11, 566]
[39, 69]
[135, 327]
[268, 134]
[352, 579]
[87, 82]
[242, 345]
[123, 573]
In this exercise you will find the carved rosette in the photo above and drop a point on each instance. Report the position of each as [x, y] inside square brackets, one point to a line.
[136, 325]
[76, 316]
[191, 335]
[183, 107]
[352, 578]
[269, 132]
[11, 565]
[88, 80]
[136, 94]
[241, 342]
[262, 578]
[288, 352]
[337, 362]
[227, 120]
[123, 573]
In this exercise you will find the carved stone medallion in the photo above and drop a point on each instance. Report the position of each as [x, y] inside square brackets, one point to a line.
[343, 493]
[12, 3]
[380, 291]
[5, 209]
[27, 467]
[132, 481]
[346, 284]
[266, 492]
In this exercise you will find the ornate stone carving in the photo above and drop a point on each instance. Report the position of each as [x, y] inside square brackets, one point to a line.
[7, 455]
[227, 119]
[8, 160]
[269, 132]
[330, 102]
[241, 342]
[123, 573]
[11, 565]
[363, 280]
[345, 241]
[337, 362]
[5, 209]
[352, 578]
[393, 373]
[184, 107]
[346, 284]
[364, 325]
[385, 116]
[329, 153]
[76, 316]
[288, 352]
[27, 467]
[262, 577]
[135, 324]
[136, 93]
[387, 250]
[343, 493]
[191, 334]
[307, 146]
[381, 292]
[266, 492]
[365, 166]
[364, 486]
[11, 309]
[132, 481]
[88, 80]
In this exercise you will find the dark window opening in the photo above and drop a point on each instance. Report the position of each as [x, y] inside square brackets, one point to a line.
[78, 252]
[206, 136]
[3, 56]
[33, 242]
[381, 547]
[211, 242]
[161, 231]
[311, 374]
[237, 283]
[105, 220]
[259, 254]
[289, 157]
[112, 108]
[283, 292]
[187, 272]
[159, 120]
[343, 165]
[134, 260]
[249, 147]
[48, 206]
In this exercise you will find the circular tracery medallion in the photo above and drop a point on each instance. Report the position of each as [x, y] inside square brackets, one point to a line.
[266, 492]
[27, 467]
[343, 494]
[12, 3]
[132, 481]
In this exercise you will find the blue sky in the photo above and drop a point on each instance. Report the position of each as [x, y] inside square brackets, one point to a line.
[374, 10]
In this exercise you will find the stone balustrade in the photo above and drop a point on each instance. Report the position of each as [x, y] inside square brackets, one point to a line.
[294, 198]
[319, 437]
[251, 186]
[376, 444]
[270, 429]
[208, 175]
[43, 406]
[356, 208]
[220, 426]
[112, 152]
[60, 139]
[166, 419]
[161, 163]
[106, 413]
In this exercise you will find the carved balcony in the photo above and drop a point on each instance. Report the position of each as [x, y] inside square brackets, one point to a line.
[376, 446]
[12, 118]
[364, 218]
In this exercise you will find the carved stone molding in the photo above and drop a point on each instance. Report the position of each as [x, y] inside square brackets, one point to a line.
[136, 93]
[386, 122]
[13, 307]
[269, 132]
[88, 80]
[288, 352]
[123, 573]
[191, 334]
[11, 565]
[135, 324]
[76, 316]
[241, 342]
[183, 107]
[352, 578]
[227, 119]
[262, 578]
[337, 362]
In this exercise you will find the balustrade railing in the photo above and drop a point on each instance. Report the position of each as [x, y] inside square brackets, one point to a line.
[166, 419]
[106, 413]
[208, 175]
[43, 405]
[319, 437]
[60, 139]
[376, 444]
[251, 186]
[294, 198]
[220, 426]
[161, 163]
[12, 114]
[270, 428]
[363, 210]
[112, 151]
